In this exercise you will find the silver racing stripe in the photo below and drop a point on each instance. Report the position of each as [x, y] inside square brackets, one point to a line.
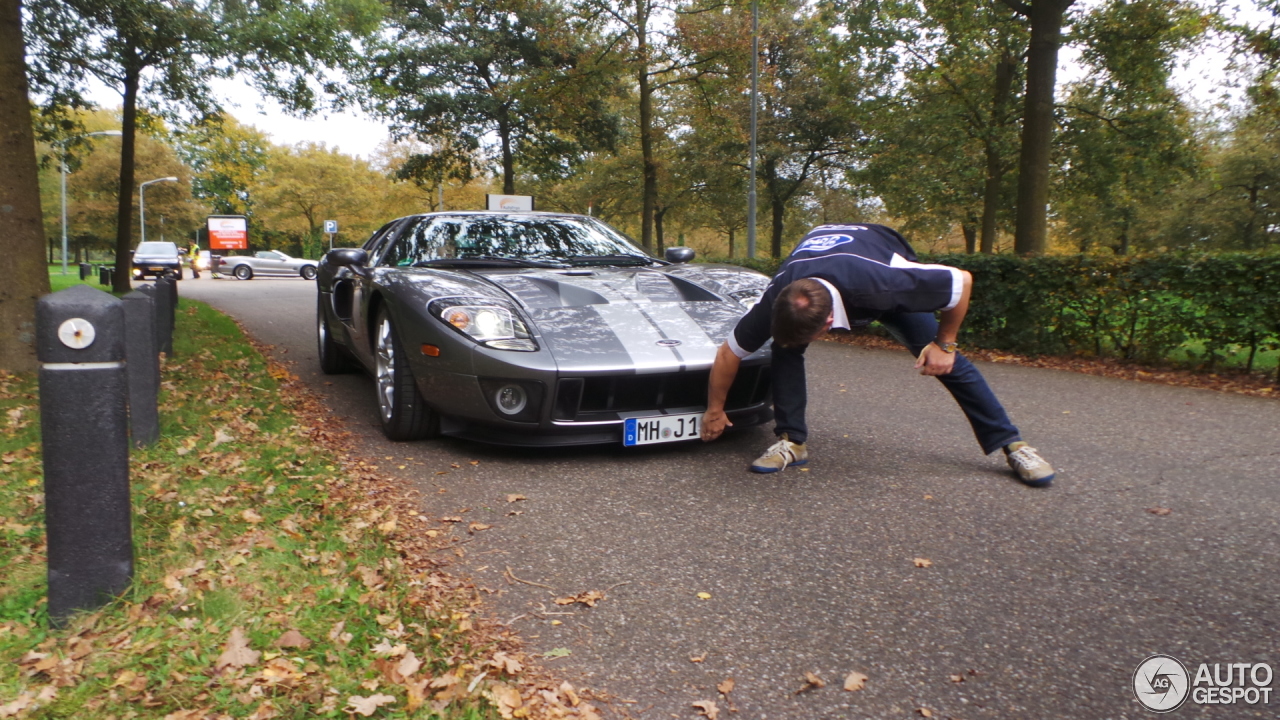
[639, 336]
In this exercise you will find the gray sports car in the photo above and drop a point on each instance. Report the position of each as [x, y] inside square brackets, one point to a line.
[534, 329]
[267, 262]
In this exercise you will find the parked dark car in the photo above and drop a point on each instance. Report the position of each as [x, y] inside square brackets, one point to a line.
[534, 329]
[155, 259]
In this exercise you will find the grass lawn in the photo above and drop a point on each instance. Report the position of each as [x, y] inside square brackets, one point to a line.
[268, 583]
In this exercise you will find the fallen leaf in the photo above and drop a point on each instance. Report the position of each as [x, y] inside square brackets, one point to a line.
[409, 665]
[704, 596]
[708, 709]
[293, 639]
[922, 562]
[451, 519]
[725, 687]
[855, 681]
[926, 712]
[507, 699]
[570, 695]
[515, 498]
[1159, 510]
[557, 653]
[477, 527]
[698, 658]
[250, 516]
[506, 663]
[811, 682]
[266, 711]
[956, 678]
[589, 598]
[367, 706]
[237, 652]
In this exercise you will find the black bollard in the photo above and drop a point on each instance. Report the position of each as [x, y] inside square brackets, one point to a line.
[84, 423]
[85, 270]
[164, 314]
[143, 365]
[103, 278]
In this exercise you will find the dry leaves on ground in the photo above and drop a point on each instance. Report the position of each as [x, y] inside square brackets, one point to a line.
[854, 681]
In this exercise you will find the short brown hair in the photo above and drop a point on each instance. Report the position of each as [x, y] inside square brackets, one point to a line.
[800, 312]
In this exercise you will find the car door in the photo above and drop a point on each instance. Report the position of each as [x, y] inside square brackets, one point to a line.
[269, 262]
[359, 282]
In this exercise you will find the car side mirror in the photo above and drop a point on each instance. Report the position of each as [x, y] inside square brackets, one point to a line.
[680, 254]
[346, 257]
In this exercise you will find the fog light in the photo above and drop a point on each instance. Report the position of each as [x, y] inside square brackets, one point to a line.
[511, 399]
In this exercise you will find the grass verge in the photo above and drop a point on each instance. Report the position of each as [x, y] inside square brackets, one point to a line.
[276, 576]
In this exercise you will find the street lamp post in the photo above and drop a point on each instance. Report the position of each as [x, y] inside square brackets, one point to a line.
[142, 206]
[114, 133]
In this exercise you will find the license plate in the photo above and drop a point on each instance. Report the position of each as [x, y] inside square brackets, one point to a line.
[661, 428]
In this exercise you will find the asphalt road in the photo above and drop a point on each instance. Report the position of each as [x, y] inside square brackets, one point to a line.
[1043, 602]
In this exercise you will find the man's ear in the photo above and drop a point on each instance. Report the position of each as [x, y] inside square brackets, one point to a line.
[831, 319]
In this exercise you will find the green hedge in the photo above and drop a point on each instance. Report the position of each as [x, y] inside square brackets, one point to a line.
[1140, 308]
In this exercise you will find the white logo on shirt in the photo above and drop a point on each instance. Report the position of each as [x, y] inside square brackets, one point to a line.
[823, 242]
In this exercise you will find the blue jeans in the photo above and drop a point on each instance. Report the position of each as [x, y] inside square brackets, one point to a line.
[991, 424]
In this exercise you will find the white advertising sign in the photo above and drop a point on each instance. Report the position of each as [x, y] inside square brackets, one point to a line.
[511, 203]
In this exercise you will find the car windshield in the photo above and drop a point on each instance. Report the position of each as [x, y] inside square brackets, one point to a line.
[503, 238]
[157, 248]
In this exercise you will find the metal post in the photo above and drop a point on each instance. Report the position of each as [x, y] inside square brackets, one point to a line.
[142, 210]
[64, 208]
[143, 366]
[164, 314]
[755, 87]
[84, 427]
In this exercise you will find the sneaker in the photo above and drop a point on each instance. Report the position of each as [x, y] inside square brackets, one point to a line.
[780, 456]
[1031, 468]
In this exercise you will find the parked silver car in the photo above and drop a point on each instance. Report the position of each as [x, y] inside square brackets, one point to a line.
[267, 263]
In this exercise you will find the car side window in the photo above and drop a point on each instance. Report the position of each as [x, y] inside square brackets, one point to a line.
[376, 238]
[428, 240]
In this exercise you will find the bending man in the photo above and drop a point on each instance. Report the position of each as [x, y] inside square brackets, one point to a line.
[846, 276]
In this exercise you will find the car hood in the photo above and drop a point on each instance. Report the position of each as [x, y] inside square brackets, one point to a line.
[611, 318]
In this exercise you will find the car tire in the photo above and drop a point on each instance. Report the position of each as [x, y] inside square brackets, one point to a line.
[243, 272]
[308, 272]
[179, 273]
[334, 358]
[402, 411]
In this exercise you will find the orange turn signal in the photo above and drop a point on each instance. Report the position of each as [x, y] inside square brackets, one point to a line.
[430, 350]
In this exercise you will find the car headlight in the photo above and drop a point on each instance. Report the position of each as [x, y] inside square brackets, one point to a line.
[486, 322]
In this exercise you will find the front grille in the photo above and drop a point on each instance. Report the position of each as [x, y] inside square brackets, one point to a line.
[602, 397]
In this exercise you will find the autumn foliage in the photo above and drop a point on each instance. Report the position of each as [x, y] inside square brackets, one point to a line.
[278, 576]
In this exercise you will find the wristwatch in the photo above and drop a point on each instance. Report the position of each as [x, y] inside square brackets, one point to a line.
[947, 347]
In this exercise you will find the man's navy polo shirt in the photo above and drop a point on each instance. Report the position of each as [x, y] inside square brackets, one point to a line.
[872, 267]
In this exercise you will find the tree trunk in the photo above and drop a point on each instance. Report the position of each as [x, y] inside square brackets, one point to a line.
[732, 249]
[1031, 228]
[24, 277]
[970, 237]
[124, 213]
[659, 212]
[508, 160]
[995, 164]
[778, 207]
[649, 194]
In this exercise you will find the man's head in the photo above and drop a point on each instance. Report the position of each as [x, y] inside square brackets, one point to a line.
[801, 313]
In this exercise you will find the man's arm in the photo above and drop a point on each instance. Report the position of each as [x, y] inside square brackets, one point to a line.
[723, 370]
[934, 360]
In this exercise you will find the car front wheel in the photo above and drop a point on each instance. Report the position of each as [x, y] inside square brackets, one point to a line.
[243, 272]
[404, 414]
[308, 272]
